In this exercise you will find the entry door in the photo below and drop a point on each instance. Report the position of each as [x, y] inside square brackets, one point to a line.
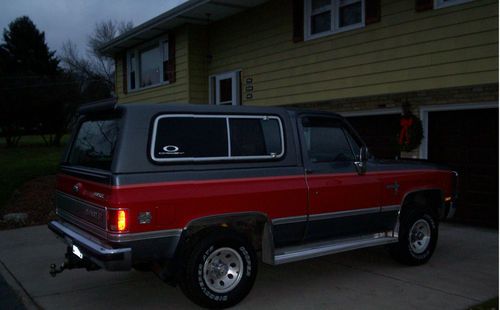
[225, 88]
[341, 202]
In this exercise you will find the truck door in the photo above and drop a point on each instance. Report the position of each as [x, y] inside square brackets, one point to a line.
[341, 201]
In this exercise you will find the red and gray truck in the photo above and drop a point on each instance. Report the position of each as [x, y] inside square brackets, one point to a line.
[200, 194]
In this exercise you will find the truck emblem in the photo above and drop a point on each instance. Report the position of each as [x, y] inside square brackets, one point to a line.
[395, 186]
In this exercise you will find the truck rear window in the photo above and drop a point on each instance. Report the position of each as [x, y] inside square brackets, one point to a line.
[216, 137]
[94, 144]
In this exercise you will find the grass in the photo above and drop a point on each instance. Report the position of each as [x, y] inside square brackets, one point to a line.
[29, 160]
[491, 304]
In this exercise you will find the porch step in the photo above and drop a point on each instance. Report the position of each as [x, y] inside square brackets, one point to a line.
[326, 247]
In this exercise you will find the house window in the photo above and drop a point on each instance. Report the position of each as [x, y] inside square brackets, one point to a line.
[324, 17]
[149, 62]
[132, 70]
[225, 88]
[165, 58]
[446, 3]
[148, 65]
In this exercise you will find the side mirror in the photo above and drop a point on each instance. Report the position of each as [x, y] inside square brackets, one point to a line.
[361, 161]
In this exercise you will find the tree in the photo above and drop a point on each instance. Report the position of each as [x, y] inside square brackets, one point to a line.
[27, 66]
[94, 65]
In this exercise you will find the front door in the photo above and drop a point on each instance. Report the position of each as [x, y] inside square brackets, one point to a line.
[341, 201]
[225, 88]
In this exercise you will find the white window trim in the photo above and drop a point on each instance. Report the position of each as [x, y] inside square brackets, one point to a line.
[424, 117]
[136, 52]
[236, 88]
[334, 8]
[439, 4]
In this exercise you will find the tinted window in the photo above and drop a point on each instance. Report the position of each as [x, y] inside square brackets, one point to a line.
[94, 144]
[255, 137]
[326, 140]
[190, 137]
[216, 137]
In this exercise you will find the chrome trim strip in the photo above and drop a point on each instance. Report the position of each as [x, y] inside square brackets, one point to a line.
[144, 235]
[331, 215]
[292, 254]
[390, 208]
[289, 220]
[98, 248]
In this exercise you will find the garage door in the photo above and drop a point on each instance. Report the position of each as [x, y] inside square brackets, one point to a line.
[468, 142]
[379, 133]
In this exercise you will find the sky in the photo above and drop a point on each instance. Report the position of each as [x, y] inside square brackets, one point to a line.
[74, 19]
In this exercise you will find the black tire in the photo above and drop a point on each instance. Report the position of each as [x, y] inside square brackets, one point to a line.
[415, 253]
[194, 283]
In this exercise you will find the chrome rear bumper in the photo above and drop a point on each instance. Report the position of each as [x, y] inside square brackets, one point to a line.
[92, 248]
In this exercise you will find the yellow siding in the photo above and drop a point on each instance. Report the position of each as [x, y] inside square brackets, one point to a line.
[175, 92]
[198, 74]
[406, 51]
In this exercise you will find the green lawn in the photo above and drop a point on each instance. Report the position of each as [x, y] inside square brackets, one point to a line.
[23, 163]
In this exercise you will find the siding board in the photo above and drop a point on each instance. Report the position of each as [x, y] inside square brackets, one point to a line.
[406, 51]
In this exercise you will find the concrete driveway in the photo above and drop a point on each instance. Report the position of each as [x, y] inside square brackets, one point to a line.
[463, 272]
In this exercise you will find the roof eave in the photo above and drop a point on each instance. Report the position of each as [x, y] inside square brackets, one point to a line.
[109, 47]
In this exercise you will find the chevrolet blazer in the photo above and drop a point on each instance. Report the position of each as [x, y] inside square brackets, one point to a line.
[199, 194]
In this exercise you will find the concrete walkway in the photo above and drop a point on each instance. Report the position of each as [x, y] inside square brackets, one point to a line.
[463, 272]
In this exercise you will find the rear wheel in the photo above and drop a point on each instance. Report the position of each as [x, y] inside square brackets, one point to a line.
[219, 270]
[418, 234]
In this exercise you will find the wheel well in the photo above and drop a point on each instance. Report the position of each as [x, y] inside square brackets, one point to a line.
[431, 199]
[250, 227]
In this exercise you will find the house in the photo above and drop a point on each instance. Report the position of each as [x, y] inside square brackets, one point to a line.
[366, 59]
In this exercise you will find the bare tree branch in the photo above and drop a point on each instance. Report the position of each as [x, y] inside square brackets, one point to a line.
[93, 63]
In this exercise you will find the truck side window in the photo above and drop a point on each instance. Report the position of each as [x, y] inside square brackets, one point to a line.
[185, 137]
[188, 137]
[326, 140]
[254, 137]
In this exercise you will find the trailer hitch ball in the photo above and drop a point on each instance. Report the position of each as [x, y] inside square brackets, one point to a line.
[54, 270]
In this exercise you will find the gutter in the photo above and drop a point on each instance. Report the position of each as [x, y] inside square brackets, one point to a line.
[152, 23]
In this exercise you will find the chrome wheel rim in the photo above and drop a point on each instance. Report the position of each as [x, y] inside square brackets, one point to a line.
[222, 270]
[420, 236]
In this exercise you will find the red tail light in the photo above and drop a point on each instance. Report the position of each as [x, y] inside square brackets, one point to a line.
[118, 220]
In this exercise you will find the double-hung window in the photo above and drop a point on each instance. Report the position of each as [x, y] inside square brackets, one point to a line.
[149, 65]
[323, 17]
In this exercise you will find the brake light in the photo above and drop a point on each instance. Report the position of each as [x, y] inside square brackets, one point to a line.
[117, 220]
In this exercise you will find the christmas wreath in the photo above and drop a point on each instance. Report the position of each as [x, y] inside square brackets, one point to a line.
[411, 132]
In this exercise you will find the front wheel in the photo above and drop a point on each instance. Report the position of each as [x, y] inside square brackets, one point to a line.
[418, 234]
[219, 270]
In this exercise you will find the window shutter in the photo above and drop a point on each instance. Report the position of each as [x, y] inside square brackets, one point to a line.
[424, 5]
[124, 73]
[372, 11]
[298, 20]
[171, 59]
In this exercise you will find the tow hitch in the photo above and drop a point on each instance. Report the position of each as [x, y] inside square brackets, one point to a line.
[71, 261]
